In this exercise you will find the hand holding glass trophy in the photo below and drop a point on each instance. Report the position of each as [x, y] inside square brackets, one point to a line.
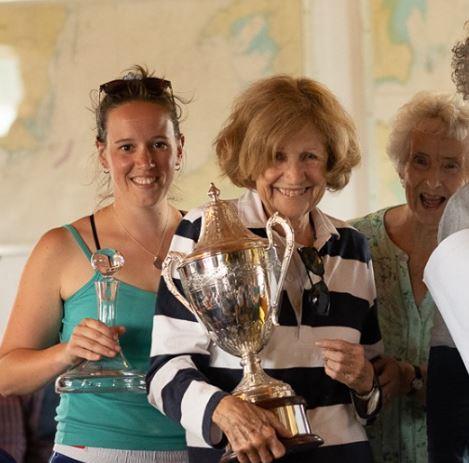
[233, 287]
[109, 374]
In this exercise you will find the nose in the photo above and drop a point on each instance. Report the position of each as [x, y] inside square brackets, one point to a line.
[145, 159]
[433, 179]
[294, 172]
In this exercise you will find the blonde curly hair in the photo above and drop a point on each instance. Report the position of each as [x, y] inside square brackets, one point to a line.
[273, 108]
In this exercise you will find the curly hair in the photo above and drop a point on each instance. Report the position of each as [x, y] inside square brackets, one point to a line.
[452, 112]
[270, 110]
[460, 66]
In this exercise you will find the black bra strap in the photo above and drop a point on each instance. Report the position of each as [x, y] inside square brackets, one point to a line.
[95, 234]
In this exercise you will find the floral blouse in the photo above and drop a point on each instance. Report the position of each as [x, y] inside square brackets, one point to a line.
[399, 433]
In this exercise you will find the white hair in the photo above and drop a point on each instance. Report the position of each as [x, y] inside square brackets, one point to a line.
[451, 110]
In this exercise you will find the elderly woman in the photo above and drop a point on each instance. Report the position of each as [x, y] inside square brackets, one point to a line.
[287, 140]
[428, 147]
[448, 379]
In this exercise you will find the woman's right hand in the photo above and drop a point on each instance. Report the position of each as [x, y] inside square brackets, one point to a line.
[92, 339]
[251, 431]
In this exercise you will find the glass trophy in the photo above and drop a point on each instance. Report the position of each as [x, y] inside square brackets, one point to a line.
[109, 374]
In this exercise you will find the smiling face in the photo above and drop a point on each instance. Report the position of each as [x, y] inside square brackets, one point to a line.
[435, 169]
[295, 183]
[141, 152]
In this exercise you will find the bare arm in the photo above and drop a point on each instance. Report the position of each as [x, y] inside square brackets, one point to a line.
[30, 355]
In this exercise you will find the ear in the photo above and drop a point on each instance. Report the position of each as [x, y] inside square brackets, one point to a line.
[100, 146]
[182, 140]
[180, 148]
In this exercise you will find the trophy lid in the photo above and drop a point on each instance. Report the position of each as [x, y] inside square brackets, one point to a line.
[222, 230]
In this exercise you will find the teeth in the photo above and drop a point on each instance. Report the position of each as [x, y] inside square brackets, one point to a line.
[144, 180]
[430, 197]
[432, 201]
[292, 192]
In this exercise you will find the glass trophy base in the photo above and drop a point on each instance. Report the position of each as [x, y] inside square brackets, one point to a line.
[106, 375]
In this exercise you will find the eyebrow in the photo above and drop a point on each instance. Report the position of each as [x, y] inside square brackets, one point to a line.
[128, 140]
[451, 157]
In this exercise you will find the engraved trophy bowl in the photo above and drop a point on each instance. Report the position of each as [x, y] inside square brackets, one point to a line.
[232, 282]
[109, 374]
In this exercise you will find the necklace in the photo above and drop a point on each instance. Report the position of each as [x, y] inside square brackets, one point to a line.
[157, 260]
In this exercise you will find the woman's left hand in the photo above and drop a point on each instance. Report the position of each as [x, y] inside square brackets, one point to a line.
[389, 377]
[345, 362]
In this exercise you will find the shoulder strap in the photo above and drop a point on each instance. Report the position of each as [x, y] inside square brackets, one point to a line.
[79, 240]
[95, 233]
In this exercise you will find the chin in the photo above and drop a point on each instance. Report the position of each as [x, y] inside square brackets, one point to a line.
[293, 215]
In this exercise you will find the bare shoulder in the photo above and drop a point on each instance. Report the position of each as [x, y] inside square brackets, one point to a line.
[55, 244]
[56, 250]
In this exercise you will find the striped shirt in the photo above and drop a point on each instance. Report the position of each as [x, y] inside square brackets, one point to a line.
[189, 374]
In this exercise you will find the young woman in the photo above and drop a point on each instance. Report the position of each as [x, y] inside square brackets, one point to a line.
[52, 325]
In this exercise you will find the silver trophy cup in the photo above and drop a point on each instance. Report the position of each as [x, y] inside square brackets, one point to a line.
[232, 282]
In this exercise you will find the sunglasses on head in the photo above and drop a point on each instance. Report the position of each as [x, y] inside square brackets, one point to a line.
[152, 84]
[318, 295]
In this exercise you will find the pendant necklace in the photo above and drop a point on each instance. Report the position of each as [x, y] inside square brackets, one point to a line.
[157, 260]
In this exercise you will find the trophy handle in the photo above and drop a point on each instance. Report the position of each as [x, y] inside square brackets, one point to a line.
[277, 219]
[172, 259]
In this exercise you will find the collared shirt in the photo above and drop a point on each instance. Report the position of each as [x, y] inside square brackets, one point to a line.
[189, 374]
[399, 433]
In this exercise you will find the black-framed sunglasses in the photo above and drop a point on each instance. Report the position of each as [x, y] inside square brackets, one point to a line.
[154, 85]
[318, 296]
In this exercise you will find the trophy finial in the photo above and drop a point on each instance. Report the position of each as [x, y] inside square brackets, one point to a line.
[213, 192]
[107, 261]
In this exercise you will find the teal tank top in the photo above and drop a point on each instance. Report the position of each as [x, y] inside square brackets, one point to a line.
[115, 420]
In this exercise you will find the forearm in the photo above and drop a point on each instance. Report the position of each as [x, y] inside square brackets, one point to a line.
[23, 371]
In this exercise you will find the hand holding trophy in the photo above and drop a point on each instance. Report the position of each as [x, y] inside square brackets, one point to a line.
[233, 288]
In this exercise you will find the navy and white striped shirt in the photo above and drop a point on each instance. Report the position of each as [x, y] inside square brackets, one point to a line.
[189, 374]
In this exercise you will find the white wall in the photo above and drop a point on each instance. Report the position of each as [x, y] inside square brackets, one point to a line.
[12, 260]
[335, 54]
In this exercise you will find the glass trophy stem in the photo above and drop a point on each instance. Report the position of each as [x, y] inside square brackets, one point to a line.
[106, 290]
[109, 374]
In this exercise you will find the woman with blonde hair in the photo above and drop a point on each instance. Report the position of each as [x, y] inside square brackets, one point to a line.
[287, 140]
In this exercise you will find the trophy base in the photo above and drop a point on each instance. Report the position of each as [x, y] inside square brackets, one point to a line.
[291, 413]
[110, 375]
[296, 444]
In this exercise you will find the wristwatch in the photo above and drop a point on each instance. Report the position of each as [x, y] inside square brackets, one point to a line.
[372, 398]
[417, 383]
